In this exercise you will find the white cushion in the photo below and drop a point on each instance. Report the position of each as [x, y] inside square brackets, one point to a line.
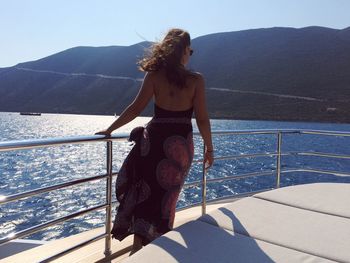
[304, 223]
[303, 230]
[329, 198]
[197, 241]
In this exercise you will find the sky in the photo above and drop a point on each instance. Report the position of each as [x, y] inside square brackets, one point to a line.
[33, 29]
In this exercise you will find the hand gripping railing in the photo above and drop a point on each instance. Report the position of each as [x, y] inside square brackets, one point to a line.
[18, 145]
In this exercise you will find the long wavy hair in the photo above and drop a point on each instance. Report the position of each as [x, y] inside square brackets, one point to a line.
[167, 55]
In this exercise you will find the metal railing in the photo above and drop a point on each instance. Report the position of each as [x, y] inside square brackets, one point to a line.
[30, 144]
[278, 154]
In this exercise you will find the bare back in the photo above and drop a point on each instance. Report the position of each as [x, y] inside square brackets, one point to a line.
[170, 97]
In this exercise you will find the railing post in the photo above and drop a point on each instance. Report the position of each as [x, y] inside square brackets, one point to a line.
[278, 165]
[204, 185]
[108, 251]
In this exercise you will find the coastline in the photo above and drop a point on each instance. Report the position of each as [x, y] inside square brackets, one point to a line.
[299, 120]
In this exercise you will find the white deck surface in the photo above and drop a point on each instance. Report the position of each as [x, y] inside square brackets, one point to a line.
[305, 223]
[94, 251]
[18, 245]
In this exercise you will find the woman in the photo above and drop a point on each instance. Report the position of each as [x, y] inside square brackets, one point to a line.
[151, 178]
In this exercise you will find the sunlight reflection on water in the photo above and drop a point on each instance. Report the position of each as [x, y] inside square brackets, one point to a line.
[24, 170]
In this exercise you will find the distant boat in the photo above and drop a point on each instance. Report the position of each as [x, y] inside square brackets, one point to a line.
[30, 113]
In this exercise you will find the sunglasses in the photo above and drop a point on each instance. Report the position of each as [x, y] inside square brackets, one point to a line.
[191, 52]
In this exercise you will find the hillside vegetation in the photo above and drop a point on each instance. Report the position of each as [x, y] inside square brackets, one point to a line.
[271, 74]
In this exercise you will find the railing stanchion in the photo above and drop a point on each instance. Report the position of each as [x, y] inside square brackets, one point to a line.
[204, 185]
[278, 165]
[108, 251]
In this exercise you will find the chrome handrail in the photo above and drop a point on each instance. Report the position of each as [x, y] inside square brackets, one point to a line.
[321, 154]
[108, 250]
[204, 185]
[319, 171]
[30, 144]
[278, 165]
[278, 153]
[31, 230]
[15, 197]
[38, 143]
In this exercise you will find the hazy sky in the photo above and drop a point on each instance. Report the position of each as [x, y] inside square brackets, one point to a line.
[32, 29]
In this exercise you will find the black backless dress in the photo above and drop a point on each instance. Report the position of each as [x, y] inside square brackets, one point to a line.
[152, 175]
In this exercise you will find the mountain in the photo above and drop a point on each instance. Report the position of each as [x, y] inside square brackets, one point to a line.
[113, 60]
[308, 62]
[277, 60]
[86, 80]
[272, 74]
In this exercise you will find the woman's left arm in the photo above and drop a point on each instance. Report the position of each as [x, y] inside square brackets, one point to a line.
[135, 108]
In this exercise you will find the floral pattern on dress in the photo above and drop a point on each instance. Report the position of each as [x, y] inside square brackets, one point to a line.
[169, 206]
[171, 172]
[190, 145]
[176, 148]
[152, 175]
[144, 191]
[145, 143]
[122, 180]
[122, 218]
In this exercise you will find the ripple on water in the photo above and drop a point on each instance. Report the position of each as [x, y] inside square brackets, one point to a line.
[25, 170]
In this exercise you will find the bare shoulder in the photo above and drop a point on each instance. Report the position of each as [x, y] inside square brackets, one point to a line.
[195, 75]
[152, 79]
[198, 75]
[150, 76]
[198, 79]
[155, 77]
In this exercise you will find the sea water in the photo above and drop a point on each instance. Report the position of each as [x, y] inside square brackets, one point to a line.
[24, 170]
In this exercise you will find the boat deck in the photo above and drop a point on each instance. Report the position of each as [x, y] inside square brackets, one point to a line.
[304, 223]
[94, 251]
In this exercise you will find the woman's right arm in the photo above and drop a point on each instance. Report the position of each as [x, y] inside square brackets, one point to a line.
[202, 119]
